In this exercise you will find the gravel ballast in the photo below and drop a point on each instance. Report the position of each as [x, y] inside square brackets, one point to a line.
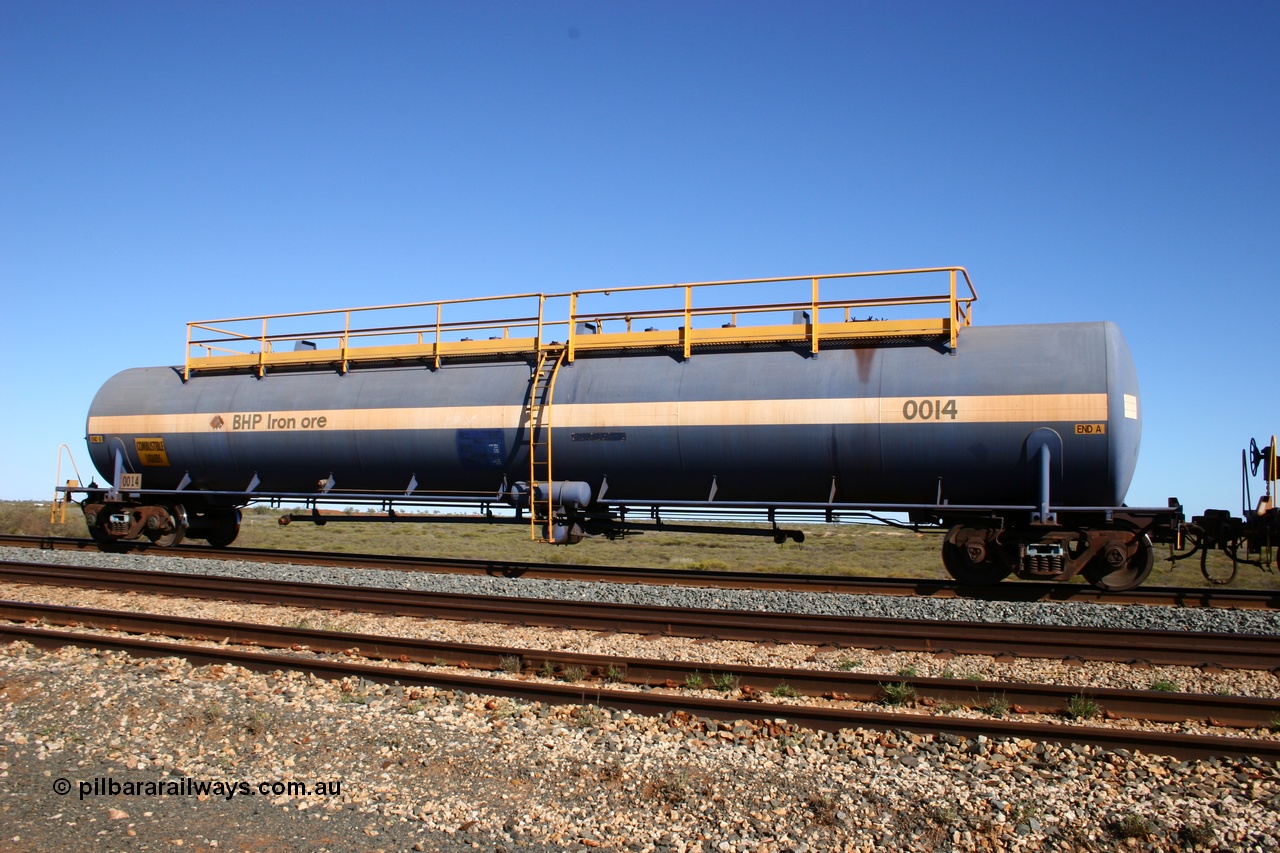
[425, 769]
[779, 601]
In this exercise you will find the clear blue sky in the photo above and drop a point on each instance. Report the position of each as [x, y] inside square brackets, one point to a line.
[162, 162]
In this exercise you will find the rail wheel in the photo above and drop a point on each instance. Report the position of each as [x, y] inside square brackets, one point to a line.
[225, 529]
[97, 517]
[172, 535]
[101, 536]
[969, 560]
[1123, 563]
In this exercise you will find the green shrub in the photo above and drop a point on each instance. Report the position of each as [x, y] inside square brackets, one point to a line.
[1081, 707]
[898, 694]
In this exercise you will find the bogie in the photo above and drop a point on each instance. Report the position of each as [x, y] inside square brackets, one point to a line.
[1113, 558]
[110, 521]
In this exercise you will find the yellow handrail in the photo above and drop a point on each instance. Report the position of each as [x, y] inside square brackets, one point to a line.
[218, 340]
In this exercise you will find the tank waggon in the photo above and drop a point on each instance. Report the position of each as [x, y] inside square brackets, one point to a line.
[878, 425]
[1021, 440]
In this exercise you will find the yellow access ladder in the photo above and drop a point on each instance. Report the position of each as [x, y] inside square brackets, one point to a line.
[538, 414]
[62, 496]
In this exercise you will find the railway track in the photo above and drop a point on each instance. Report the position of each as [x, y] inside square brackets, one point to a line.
[1226, 651]
[604, 694]
[1232, 711]
[1012, 591]
[612, 681]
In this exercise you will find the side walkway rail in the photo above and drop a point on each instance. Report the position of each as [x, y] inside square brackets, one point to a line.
[802, 311]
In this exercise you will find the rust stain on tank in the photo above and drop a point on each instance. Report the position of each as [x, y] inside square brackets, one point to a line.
[866, 358]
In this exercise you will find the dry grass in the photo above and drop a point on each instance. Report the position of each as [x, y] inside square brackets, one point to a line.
[27, 518]
[843, 549]
[846, 549]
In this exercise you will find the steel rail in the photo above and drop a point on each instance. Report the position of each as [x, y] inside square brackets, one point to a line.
[816, 717]
[1013, 591]
[1184, 648]
[1242, 712]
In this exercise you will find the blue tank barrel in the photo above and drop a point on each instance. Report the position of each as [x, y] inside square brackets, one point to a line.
[886, 423]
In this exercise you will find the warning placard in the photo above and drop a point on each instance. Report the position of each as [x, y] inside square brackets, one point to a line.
[151, 451]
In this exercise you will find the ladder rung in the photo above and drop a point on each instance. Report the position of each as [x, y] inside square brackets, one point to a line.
[542, 382]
